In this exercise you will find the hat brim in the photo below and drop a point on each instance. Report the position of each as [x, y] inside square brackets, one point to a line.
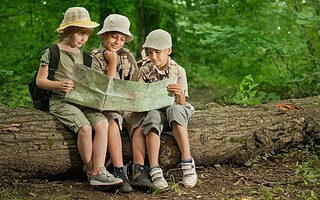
[154, 46]
[129, 37]
[83, 24]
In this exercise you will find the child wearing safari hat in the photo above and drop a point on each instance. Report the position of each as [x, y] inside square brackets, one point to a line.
[74, 31]
[117, 62]
[146, 137]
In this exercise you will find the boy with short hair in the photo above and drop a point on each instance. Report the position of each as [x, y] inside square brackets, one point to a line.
[145, 131]
[117, 62]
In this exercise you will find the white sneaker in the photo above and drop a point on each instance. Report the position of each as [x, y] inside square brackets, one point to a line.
[104, 178]
[157, 178]
[190, 177]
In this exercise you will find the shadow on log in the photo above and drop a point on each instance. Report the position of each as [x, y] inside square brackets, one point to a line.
[33, 143]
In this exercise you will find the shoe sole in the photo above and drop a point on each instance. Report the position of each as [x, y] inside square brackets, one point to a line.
[142, 187]
[98, 183]
[125, 190]
[161, 187]
[190, 185]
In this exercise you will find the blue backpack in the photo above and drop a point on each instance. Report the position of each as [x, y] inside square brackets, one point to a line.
[40, 97]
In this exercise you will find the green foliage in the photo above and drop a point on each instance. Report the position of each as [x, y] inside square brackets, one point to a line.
[262, 39]
[248, 95]
[308, 196]
[217, 42]
[308, 171]
[13, 94]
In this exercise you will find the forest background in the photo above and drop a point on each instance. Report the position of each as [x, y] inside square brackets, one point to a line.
[244, 52]
[240, 52]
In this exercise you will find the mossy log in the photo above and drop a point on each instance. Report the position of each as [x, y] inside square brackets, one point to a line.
[33, 143]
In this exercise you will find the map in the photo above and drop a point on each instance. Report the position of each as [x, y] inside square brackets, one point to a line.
[95, 90]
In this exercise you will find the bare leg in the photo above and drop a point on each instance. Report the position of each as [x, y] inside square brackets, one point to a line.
[153, 147]
[138, 146]
[100, 145]
[180, 133]
[84, 142]
[115, 144]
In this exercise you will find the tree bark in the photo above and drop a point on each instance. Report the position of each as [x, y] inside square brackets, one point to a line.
[33, 143]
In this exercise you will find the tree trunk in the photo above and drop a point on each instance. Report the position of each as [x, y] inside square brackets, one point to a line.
[33, 143]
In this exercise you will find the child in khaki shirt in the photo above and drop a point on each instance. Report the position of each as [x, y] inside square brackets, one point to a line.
[147, 128]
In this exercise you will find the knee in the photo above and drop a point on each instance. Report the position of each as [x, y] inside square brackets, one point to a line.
[85, 131]
[102, 124]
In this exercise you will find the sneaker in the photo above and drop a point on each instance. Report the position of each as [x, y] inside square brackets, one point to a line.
[190, 177]
[121, 172]
[104, 178]
[139, 177]
[157, 178]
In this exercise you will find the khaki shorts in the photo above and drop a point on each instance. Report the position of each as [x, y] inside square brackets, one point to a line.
[74, 116]
[131, 120]
[160, 119]
[117, 116]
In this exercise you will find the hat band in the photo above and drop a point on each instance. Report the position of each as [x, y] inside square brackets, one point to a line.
[82, 22]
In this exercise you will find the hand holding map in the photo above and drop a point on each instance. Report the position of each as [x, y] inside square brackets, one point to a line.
[95, 90]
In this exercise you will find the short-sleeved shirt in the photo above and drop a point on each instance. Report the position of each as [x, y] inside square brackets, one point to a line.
[126, 63]
[127, 70]
[65, 67]
[150, 73]
[72, 115]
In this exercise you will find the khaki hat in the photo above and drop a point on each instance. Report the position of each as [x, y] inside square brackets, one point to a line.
[76, 16]
[118, 23]
[158, 39]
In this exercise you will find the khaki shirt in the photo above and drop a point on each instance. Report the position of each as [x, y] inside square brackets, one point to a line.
[150, 73]
[126, 63]
[65, 67]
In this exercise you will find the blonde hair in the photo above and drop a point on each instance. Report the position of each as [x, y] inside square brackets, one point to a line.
[66, 34]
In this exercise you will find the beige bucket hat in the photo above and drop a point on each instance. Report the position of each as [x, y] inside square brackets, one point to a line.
[76, 16]
[118, 23]
[158, 39]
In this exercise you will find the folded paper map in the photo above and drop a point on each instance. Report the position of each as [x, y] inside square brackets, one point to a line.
[95, 90]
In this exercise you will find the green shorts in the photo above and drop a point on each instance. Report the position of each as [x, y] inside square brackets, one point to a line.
[74, 116]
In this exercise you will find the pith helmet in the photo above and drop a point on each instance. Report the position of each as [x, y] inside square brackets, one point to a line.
[76, 16]
[118, 23]
[158, 39]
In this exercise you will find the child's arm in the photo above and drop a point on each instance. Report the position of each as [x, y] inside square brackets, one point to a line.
[178, 91]
[111, 57]
[45, 83]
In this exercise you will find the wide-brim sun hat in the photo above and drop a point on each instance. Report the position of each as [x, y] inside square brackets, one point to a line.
[116, 23]
[76, 16]
[158, 39]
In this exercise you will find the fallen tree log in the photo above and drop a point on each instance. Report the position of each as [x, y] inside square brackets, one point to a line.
[33, 143]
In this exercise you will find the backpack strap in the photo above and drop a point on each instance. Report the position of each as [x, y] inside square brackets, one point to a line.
[54, 59]
[87, 59]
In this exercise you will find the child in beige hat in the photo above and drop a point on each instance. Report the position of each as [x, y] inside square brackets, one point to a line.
[116, 62]
[146, 137]
[74, 32]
